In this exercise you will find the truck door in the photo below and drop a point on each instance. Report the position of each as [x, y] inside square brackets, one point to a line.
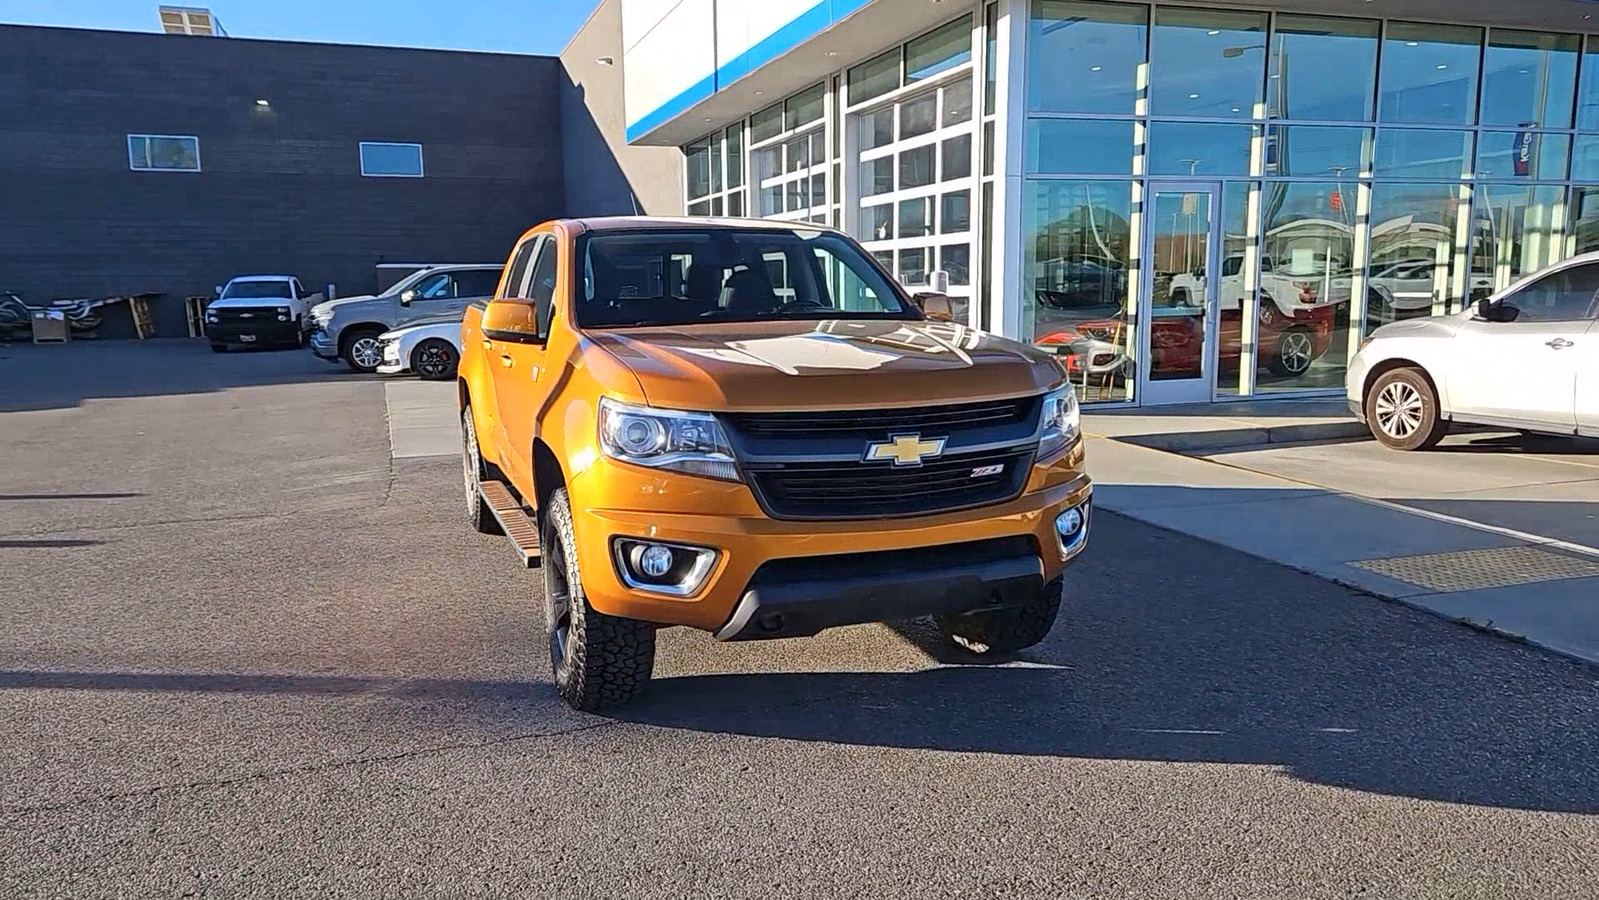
[518, 368]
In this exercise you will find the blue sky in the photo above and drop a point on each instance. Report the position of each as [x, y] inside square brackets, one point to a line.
[513, 26]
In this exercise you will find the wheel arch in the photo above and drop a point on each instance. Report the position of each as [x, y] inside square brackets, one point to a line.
[1402, 362]
[547, 477]
[348, 332]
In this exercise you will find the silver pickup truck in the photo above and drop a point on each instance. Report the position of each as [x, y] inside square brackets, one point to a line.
[348, 328]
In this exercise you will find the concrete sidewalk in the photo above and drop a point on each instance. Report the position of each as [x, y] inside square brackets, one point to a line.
[1366, 517]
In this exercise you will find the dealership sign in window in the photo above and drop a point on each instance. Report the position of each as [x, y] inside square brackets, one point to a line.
[391, 160]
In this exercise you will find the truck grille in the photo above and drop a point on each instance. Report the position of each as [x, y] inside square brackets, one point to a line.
[856, 490]
[875, 424]
[247, 314]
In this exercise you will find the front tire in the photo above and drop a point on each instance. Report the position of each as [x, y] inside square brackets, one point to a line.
[361, 351]
[1006, 630]
[599, 660]
[1402, 411]
[435, 359]
[475, 471]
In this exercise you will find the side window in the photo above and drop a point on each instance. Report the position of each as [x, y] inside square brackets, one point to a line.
[1564, 296]
[517, 272]
[541, 287]
[476, 282]
[436, 287]
[298, 290]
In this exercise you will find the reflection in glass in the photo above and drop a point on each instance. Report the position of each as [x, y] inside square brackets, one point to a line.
[1423, 153]
[1317, 150]
[1516, 229]
[1188, 148]
[877, 222]
[1077, 250]
[958, 102]
[877, 128]
[956, 259]
[916, 217]
[1584, 220]
[873, 78]
[1529, 78]
[1085, 57]
[1523, 154]
[917, 167]
[1236, 284]
[805, 107]
[939, 51]
[913, 266]
[955, 214]
[1305, 49]
[877, 176]
[918, 116]
[1180, 221]
[1413, 259]
[1429, 73]
[957, 158]
[1207, 63]
[1588, 92]
[1080, 147]
[1306, 275]
[1585, 157]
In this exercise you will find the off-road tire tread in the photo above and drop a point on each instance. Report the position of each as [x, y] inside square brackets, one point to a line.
[478, 512]
[1006, 630]
[614, 657]
[1433, 426]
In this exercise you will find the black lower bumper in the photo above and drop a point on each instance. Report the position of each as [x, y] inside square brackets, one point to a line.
[261, 332]
[801, 597]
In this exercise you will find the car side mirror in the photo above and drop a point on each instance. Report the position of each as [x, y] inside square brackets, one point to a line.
[407, 296]
[516, 321]
[1485, 310]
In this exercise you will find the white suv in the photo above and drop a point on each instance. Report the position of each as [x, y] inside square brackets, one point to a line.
[1526, 358]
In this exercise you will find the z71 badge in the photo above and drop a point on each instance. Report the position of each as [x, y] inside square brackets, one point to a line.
[985, 471]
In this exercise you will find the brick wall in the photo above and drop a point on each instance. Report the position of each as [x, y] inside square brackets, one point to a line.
[280, 188]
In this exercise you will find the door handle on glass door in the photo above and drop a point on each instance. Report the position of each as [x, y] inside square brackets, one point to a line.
[1558, 343]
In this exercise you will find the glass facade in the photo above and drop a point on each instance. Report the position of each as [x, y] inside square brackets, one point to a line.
[1271, 186]
[1214, 203]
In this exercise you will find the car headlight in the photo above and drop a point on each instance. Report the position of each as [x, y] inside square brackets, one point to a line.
[1062, 421]
[689, 442]
[210, 317]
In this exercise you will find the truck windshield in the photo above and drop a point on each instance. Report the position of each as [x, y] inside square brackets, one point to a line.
[681, 277]
[256, 289]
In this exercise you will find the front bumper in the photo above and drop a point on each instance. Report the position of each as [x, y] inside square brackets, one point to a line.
[817, 574]
[259, 331]
[323, 345]
[394, 363]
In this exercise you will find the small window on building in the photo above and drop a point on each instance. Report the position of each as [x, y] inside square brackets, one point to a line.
[391, 160]
[163, 153]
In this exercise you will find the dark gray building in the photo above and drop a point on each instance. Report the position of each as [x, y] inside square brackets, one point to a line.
[135, 162]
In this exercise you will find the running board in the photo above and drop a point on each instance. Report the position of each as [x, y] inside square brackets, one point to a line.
[518, 527]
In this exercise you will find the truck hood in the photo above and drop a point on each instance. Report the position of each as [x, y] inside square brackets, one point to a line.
[249, 303]
[326, 307]
[832, 364]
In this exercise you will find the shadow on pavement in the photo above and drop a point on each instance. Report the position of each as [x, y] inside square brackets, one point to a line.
[1512, 444]
[45, 543]
[64, 375]
[102, 496]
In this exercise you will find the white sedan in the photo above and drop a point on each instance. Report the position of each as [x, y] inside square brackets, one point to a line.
[1526, 358]
[429, 347]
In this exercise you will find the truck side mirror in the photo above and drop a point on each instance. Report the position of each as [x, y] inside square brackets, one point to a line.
[935, 306]
[512, 320]
[407, 296]
[217, 290]
[1485, 310]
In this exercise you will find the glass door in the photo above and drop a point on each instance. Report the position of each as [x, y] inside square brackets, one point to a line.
[1178, 305]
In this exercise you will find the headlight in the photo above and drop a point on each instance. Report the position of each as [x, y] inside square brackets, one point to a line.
[666, 439]
[210, 317]
[1062, 421]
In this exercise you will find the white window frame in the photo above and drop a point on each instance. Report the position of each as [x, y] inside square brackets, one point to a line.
[784, 180]
[971, 183]
[421, 161]
[170, 137]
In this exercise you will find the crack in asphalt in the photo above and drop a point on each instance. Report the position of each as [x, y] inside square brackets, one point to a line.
[291, 771]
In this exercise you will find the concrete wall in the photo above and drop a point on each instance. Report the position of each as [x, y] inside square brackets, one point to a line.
[604, 174]
[281, 188]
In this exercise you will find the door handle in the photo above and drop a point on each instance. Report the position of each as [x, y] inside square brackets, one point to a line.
[506, 360]
[1558, 343]
[488, 344]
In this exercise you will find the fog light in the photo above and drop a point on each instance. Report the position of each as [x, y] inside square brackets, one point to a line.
[1071, 527]
[655, 561]
[676, 570]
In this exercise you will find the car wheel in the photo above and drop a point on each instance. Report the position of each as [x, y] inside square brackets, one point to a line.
[434, 359]
[218, 348]
[1180, 297]
[1295, 352]
[361, 351]
[474, 471]
[1006, 630]
[1402, 411]
[599, 660]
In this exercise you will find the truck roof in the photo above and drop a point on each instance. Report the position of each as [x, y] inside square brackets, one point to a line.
[634, 223]
[262, 278]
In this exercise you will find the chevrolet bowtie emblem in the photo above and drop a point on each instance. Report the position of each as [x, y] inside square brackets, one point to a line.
[905, 449]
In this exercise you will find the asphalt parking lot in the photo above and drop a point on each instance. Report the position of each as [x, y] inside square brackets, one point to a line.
[247, 651]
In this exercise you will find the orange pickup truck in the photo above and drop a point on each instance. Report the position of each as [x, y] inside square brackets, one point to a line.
[747, 427]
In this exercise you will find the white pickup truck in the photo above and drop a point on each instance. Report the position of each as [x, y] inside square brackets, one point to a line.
[1286, 292]
[253, 310]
